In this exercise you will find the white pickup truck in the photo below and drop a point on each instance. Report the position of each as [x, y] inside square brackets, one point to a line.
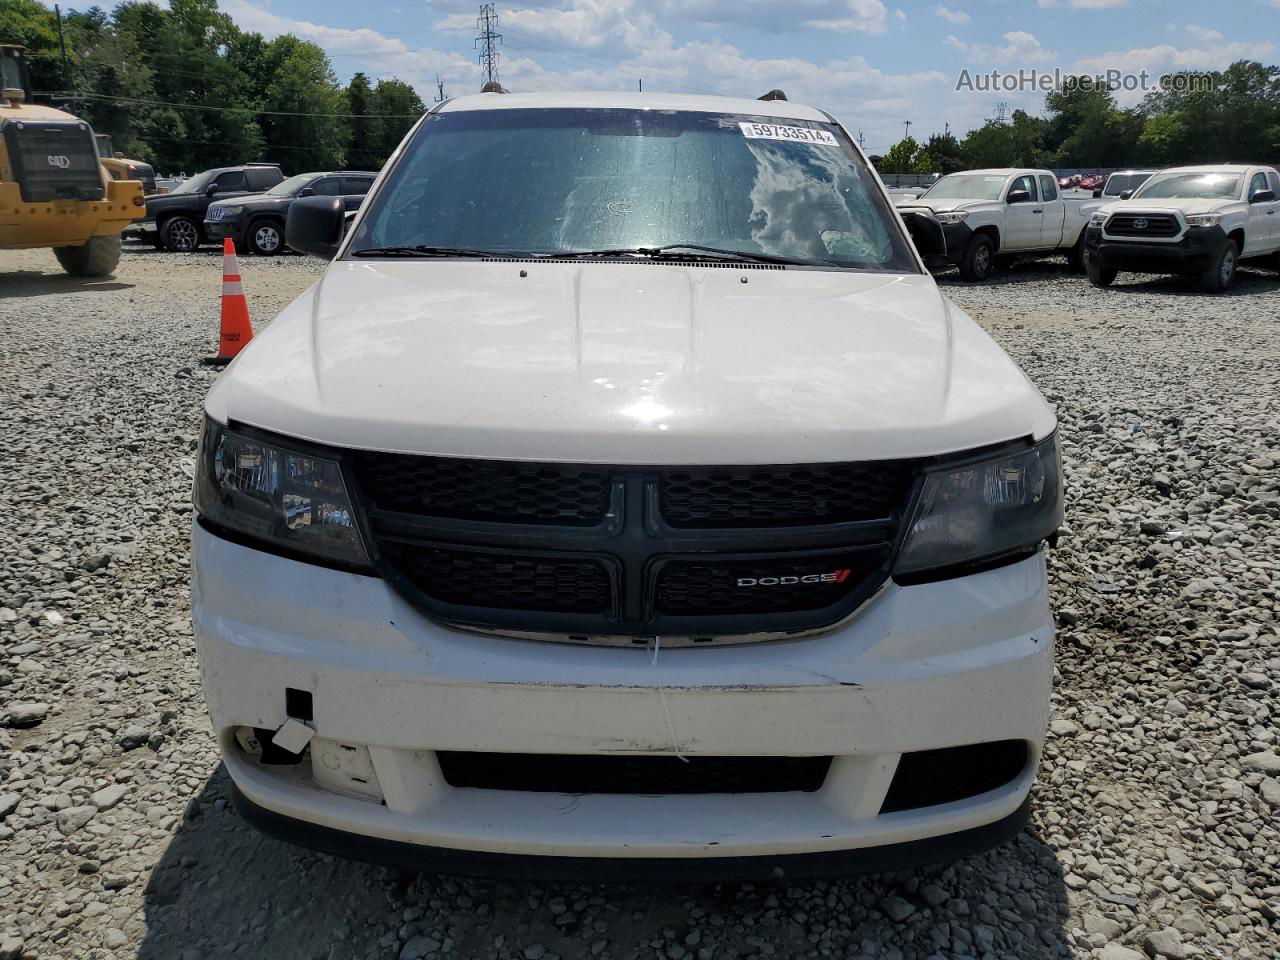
[626, 496]
[1197, 221]
[987, 214]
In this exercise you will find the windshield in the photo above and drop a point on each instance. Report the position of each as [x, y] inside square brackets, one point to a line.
[1191, 186]
[11, 71]
[287, 188]
[196, 184]
[563, 181]
[1118, 183]
[967, 186]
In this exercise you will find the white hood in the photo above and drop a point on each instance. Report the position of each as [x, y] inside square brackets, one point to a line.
[947, 204]
[1181, 205]
[628, 363]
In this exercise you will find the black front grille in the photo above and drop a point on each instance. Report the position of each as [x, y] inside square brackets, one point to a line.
[482, 579]
[646, 776]
[781, 496]
[764, 585]
[492, 490]
[1143, 225]
[53, 160]
[581, 552]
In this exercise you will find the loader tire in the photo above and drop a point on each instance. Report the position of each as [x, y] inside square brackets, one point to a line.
[96, 258]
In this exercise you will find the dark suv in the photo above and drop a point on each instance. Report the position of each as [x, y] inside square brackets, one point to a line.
[177, 218]
[256, 222]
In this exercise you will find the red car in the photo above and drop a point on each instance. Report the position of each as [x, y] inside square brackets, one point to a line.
[1092, 181]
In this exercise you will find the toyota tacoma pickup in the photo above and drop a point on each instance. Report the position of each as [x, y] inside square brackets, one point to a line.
[990, 214]
[651, 512]
[1194, 221]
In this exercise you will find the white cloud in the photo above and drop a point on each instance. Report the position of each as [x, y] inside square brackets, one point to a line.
[1020, 48]
[1204, 34]
[951, 16]
[1167, 58]
[1090, 4]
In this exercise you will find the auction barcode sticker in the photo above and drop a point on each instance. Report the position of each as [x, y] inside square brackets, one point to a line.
[772, 131]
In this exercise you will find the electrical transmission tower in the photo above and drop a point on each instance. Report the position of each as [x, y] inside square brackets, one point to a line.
[1002, 113]
[487, 25]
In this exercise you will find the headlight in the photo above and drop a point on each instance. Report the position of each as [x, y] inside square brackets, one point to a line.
[1098, 219]
[1204, 219]
[956, 216]
[280, 497]
[994, 506]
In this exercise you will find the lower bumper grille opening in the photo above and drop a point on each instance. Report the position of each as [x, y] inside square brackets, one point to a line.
[646, 776]
[930, 777]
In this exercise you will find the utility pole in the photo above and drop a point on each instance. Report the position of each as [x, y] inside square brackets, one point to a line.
[907, 132]
[862, 142]
[439, 89]
[487, 25]
[640, 84]
[62, 41]
[947, 132]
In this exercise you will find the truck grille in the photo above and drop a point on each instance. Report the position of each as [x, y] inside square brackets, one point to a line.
[1156, 225]
[53, 160]
[584, 552]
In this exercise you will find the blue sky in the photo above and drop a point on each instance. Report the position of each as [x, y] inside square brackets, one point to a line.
[873, 63]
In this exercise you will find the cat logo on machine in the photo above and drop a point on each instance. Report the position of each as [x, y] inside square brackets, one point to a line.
[835, 576]
[59, 160]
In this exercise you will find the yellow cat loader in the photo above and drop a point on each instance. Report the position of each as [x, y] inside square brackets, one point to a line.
[53, 191]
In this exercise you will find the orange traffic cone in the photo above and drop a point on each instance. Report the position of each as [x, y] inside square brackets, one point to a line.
[236, 329]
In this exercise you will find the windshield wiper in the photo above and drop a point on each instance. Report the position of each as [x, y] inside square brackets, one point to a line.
[669, 251]
[426, 250]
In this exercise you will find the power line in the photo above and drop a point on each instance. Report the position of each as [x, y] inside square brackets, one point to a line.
[487, 24]
[256, 113]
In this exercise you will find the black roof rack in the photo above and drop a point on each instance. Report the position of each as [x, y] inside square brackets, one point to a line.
[774, 94]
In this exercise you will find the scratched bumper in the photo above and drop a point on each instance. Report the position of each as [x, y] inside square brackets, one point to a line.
[960, 662]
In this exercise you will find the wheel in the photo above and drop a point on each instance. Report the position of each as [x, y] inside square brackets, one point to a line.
[265, 238]
[978, 257]
[180, 234]
[1218, 275]
[96, 258]
[1099, 276]
[1078, 256]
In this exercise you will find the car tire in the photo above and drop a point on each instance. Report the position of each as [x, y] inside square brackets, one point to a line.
[1098, 275]
[96, 258]
[266, 238]
[979, 257]
[180, 235]
[1078, 256]
[1219, 275]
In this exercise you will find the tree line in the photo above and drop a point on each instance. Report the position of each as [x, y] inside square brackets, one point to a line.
[1202, 117]
[185, 89]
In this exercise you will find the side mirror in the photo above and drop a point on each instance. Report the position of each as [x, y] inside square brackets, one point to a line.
[315, 226]
[1018, 196]
[1263, 196]
[1097, 193]
[307, 192]
[210, 190]
[928, 236]
[1126, 194]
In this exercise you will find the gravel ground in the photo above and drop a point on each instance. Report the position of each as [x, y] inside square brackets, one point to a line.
[1155, 823]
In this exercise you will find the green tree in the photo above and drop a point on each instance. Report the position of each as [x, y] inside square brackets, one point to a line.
[302, 127]
[33, 26]
[365, 130]
[398, 107]
[901, 156]
[944, 151]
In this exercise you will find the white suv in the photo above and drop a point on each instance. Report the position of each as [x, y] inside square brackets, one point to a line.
[626, 497]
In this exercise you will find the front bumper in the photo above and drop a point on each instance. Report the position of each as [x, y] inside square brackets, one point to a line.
[924, 667]
[1197, 249]
[218, 229]
[958, 236]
